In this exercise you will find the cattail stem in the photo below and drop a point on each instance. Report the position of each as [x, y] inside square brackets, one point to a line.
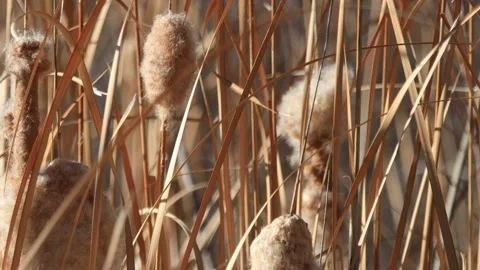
[161, 159]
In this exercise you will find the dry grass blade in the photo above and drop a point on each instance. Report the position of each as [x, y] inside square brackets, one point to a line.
[99, 182]
[441, 50]
[426, 146]
[231, 128]
[143, 144]
[122, 120]
[116, 237]
[185, 229]
[379, 137]
[171, 168]
[337, 116]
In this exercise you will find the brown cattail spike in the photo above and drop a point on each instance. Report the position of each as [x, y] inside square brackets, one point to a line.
[21, 54]
[168, 63]
[286, 244]
[55, 181]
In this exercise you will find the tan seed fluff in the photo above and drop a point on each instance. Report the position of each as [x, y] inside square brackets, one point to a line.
[169, 62]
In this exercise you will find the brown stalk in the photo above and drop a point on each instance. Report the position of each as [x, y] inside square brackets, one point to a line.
[471, 168]
[243, 122]
[143, 145]
[437, 197]
[230, 132]
[336, 132]
[99, 181]
[272, 209]
[272, 121]
[386, 123]
[427, 234]
[81, 107]
[140, 111]
[355, 159]
[130, 185]
[223, 107]
[305, 106]
[161, 158]
[251, 56]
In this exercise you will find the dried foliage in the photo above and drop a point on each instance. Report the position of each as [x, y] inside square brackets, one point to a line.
[387, 179]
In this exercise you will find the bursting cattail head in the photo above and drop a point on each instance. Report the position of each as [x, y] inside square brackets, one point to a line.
[21, 55]
[290, 109]
[168, 62]
[22, 52]
[286, 243]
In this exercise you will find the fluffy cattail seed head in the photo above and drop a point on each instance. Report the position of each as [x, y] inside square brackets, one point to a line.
[22, 52]
[168, 62]
[60, 175]
[291, 113]
[286, 244]
[316, 199]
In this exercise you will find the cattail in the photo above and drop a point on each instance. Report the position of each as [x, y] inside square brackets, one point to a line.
[286, 243]
[167, 69]
[320, 133]
[316, 199]
[55, 181]
[21, 54]
[291, 113]
[168, 63]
